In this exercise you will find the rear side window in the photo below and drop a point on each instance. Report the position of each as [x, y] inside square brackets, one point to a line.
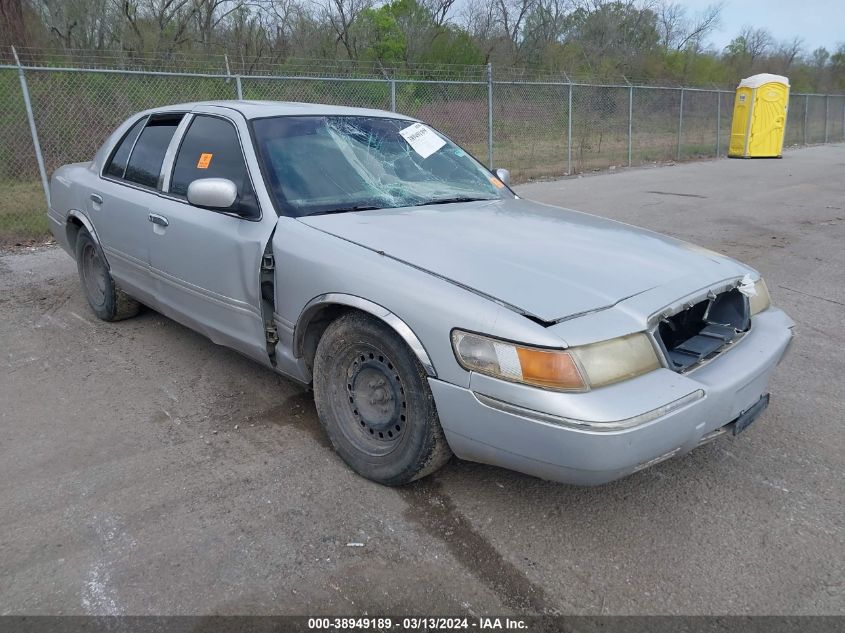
[211, 149]
[117, 165]
[148, 154]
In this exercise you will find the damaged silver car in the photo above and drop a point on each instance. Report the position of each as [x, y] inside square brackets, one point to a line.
[433, 311]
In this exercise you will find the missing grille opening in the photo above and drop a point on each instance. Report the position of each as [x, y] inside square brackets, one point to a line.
[704, 329]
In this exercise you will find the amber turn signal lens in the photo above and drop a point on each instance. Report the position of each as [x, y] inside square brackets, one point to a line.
[549, 368]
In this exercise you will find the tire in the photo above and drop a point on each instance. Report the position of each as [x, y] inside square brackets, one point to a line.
[104, 296]
[373, 399]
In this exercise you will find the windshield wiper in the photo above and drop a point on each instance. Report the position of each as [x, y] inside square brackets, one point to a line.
[357, 207]
[450, 200]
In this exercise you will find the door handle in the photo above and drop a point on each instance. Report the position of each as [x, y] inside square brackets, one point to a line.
[155, 218]
[95, 197]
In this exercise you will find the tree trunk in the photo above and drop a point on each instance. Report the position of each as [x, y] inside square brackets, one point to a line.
[12, 27]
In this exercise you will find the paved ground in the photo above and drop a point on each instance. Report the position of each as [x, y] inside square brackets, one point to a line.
[145, 470]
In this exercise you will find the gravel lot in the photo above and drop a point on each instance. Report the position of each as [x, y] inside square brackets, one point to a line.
[145, 470]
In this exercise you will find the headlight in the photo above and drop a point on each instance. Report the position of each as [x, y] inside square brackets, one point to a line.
[574, 369]
[760, 300]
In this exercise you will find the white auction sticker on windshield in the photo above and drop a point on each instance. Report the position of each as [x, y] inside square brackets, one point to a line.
[422, 138]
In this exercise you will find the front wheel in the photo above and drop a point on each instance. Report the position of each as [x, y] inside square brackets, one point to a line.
[104, 296]
[373, 399]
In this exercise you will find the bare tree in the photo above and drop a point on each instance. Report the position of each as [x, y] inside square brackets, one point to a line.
[757, 42]
[129, 10]
[88, 24]
[209, 14]
[511, 17]
[12, 27]
[341, 15]
[438, 10]
[284, 17]
[678, 31]
[547, 22]
[478, 18]
[788, 52]
[169, 21]
[247, 34]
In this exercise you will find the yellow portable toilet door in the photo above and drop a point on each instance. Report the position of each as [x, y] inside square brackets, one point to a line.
[759, 119]
[768, 121]
[741, 122]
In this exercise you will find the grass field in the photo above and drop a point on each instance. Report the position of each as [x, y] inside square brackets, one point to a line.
[23, 212]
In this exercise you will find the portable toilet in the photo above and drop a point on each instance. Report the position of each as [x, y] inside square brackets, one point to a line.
[759, 118]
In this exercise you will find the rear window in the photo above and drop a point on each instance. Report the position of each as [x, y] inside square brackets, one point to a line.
[117, 164]
[147, 156]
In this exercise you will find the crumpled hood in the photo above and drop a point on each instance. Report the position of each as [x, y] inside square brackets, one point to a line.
[545, 261]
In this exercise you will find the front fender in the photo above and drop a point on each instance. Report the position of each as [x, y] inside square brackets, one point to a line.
[312, 265]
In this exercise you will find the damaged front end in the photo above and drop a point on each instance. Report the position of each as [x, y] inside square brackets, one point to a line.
[701, 330]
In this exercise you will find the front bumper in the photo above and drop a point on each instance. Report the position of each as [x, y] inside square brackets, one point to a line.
[521, 434]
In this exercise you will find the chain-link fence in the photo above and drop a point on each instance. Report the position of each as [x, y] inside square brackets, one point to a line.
[50, 116]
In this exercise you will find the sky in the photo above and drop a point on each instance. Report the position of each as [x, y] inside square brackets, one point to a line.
[818, 22]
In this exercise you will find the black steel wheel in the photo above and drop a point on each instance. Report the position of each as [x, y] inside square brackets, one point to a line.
[377, 398]
[373, 399]
[104, 296]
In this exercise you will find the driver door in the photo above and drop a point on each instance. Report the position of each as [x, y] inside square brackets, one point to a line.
[206, 263]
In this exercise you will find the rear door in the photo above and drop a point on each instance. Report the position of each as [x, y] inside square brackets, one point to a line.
[119, 205]
[206, 263]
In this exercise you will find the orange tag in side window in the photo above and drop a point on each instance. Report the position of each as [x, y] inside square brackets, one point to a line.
[204, 161]
[497, 183]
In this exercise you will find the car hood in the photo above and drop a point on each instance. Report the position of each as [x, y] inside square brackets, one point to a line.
[547, 262]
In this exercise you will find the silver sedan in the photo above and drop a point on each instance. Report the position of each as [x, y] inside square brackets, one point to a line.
[433, 311]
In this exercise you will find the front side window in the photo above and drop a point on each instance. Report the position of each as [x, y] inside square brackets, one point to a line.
[333, 164]
[117, 164]
[211, 149]
[144, 165]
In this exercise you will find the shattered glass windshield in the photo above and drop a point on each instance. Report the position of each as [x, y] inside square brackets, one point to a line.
[336, 164]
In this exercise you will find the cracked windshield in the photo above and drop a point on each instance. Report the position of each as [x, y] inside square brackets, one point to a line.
[336, 164]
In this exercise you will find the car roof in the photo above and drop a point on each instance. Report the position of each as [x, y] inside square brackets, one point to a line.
[260, 109]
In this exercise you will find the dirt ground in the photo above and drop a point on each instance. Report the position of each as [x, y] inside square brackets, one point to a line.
[144, 470]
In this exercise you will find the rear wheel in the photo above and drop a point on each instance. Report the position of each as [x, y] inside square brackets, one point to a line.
[104, 296]
[373, 399]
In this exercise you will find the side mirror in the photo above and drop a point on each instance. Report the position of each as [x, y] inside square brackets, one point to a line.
[212, 193]
[504, 175]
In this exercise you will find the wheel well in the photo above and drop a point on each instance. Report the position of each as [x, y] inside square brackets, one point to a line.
[316, 318]
[74, 226]
[317, 325]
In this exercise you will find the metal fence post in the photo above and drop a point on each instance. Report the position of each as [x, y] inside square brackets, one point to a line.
[718, 122]
[238, 87]
[490, 115]
[392, 94]
[806, 110]
[569, 134]
[681, 124]
[630, 122]
[36, 144]
[826, 110]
